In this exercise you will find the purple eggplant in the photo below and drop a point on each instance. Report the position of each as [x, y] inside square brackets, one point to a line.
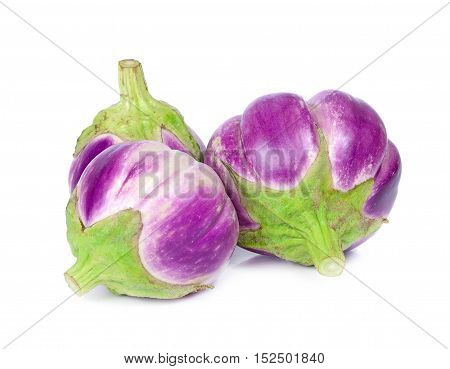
[308, 179]
[146, 220]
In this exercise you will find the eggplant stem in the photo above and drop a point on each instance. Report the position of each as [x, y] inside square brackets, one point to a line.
[324, 245]
[133, 88]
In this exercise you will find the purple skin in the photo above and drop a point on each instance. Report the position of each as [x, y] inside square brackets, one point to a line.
[384, 191]
[279, 139]
[190, 227]
[103, 141]
[174, 143]
[355, 135]
[226, 147]
[95, 147]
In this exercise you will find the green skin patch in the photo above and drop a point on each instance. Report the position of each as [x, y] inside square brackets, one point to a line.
[107, 254]
[138, 116]
[310, 224]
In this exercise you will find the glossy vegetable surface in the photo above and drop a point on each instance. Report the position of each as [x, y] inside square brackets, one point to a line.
[148, 221]
[308, 179]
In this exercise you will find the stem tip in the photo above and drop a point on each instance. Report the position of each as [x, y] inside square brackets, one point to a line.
[73, 284]
[129, 63]
[331, 266]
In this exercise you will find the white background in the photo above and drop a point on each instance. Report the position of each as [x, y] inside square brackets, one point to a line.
[210, 59]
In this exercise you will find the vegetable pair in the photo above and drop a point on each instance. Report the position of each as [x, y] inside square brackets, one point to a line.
[145, 217]
[307, 180]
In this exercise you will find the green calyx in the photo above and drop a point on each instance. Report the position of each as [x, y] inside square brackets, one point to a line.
[138, 116]
[107, 254]
[310, 224]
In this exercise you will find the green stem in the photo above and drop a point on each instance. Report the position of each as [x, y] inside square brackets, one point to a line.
[84, 275]
[133, 89]
[324, 245]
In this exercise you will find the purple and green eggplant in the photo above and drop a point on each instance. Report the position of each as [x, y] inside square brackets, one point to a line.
[145, 220]
[137, 116]
[308, 179]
